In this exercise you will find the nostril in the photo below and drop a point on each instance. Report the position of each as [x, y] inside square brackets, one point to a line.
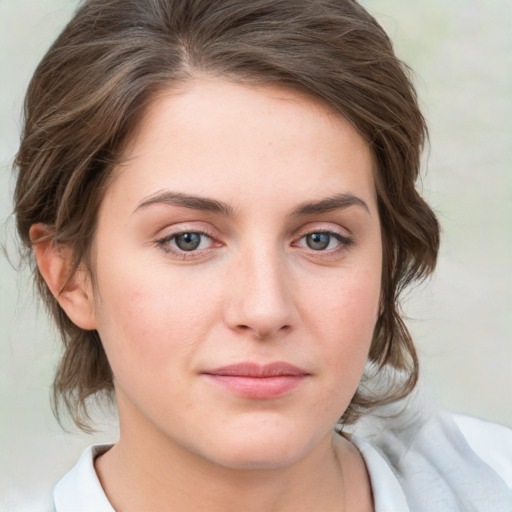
[262, 334]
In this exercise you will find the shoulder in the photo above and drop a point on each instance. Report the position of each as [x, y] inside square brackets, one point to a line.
[490, 441]
[444, 462]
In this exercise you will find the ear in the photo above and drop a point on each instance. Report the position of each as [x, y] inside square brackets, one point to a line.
[74, 293]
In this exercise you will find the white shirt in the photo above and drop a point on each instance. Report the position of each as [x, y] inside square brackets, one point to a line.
[444, 464]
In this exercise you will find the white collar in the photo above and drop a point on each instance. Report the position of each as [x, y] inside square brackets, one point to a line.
[80, 490]
[388, 495]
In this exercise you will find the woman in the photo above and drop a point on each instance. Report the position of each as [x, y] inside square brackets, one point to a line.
[220, 200]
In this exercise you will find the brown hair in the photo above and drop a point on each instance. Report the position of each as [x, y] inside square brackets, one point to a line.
[94, 83]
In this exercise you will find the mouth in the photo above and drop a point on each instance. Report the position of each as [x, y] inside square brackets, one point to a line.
[252, 380]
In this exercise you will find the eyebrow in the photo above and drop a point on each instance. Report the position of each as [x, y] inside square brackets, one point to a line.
[189, 201]
[335, 202]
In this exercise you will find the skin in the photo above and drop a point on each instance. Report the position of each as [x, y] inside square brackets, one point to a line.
[254, 290]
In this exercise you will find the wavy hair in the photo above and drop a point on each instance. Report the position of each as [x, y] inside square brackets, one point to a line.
[95, 82]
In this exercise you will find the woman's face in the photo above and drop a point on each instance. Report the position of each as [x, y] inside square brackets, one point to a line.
[238, 266]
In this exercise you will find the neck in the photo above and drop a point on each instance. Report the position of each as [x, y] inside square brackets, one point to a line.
[145, 470]
[143, 476]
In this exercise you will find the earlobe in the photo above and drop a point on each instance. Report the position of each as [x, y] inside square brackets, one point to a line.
[74, 293]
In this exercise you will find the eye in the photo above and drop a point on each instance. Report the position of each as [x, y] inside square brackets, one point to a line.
[324, 241]
[185, 242]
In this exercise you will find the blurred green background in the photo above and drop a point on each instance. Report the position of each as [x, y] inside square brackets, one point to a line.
[461, 52]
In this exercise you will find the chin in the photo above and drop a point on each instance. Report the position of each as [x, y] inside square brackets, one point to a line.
[258, 449]
[258, 459]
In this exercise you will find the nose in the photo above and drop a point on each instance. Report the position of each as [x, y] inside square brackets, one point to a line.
[260, 298]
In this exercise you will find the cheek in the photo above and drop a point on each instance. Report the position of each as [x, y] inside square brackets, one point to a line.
[150, 316]
[343, 316]
[347, 304]
[344, 329]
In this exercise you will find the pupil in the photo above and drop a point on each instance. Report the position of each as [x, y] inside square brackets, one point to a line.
[318, 241]
[188, 241]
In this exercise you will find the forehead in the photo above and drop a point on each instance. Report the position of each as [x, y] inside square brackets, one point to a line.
[214, 137]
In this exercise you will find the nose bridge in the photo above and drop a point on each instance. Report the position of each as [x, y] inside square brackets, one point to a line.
[261, 301]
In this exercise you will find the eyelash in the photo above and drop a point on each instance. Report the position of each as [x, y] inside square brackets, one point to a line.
[164, 243]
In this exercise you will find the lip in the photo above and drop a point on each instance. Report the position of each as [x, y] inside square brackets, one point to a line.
[253, 380]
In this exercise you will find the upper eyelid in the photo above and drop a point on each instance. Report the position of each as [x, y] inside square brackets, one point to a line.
[322, 228]
[170, 231]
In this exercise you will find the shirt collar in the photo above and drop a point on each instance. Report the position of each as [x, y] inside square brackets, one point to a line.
[388, 495]
[80, 489]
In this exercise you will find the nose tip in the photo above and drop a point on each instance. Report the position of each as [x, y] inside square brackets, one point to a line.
[261, 304]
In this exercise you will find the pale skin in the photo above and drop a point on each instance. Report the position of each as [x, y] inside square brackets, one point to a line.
[242, 227]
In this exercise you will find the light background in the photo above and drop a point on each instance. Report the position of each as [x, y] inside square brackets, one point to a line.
[461, 52]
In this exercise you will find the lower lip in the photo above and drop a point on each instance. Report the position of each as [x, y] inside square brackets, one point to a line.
[258, 387]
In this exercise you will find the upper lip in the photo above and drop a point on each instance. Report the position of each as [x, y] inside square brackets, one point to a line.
[256, 370]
